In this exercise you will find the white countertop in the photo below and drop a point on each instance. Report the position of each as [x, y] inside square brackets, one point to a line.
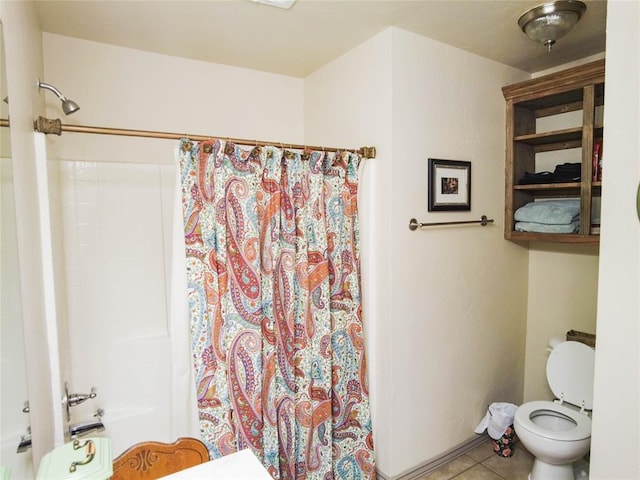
[242, 465]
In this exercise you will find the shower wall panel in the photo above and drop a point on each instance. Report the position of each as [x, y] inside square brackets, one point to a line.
[116, 224]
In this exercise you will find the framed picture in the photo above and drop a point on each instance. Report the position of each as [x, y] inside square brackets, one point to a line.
[449, 185]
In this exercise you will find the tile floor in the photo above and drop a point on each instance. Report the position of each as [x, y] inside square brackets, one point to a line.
[482, 464]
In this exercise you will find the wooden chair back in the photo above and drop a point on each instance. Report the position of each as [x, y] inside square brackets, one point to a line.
[151, 460]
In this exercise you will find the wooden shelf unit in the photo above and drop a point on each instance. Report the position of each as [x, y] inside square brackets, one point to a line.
[579, 88]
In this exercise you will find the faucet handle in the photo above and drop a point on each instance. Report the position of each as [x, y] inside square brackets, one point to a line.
[77, 398]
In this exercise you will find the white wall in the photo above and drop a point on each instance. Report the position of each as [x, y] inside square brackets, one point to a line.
[13, 379]
[24, 66]
[447, 306]
[459, 293]
[563, 283]
[125, 88]
[616, 419]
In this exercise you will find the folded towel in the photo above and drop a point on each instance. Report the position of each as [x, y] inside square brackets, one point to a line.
[572, 227]
[551, 212]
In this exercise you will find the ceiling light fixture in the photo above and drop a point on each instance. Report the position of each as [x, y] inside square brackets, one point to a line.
[277, 3]
[548, 22]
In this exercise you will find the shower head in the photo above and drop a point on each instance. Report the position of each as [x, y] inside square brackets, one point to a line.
[68, 106]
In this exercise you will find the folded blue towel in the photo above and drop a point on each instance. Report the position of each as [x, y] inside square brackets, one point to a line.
[572, 227]
[550, 212]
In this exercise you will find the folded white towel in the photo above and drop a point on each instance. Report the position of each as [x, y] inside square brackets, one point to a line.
[550, 212]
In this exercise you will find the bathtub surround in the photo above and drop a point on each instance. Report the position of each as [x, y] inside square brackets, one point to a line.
[122, 302]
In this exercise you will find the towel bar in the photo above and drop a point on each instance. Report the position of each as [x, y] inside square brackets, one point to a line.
[414, 224]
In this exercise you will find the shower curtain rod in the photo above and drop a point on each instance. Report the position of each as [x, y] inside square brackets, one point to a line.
[55, 126]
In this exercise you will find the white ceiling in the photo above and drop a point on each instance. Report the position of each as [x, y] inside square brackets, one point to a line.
[298, 41]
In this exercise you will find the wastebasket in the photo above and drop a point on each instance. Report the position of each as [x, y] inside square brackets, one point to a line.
[498, 422]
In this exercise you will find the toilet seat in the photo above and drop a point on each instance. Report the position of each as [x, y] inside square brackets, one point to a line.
[581, 431]
[570, 370]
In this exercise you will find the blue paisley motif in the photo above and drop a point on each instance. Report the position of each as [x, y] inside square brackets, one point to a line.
[274, 301]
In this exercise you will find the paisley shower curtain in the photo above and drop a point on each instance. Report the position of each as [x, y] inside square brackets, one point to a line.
[275, 303]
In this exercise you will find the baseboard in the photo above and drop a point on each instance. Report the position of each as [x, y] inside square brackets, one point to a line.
[380, 476]
[436, 462]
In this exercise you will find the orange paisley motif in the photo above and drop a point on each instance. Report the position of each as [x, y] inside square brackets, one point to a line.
[274, 300]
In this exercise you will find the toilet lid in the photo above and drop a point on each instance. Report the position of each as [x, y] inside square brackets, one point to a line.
[570, 370]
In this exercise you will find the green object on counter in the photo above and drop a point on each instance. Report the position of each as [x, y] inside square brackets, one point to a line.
[5, 473]
[638, 202]
[86, 459]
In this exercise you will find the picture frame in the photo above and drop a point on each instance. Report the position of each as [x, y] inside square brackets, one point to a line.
[449, 185]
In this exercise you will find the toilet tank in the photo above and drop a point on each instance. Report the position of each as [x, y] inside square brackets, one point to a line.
[554, 341]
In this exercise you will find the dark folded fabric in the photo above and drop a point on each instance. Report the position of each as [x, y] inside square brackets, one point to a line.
[564, 173]
[568, 167]
[568, 172]
[540, 177]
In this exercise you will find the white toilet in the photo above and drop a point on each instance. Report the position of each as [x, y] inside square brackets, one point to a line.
[558, 432]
